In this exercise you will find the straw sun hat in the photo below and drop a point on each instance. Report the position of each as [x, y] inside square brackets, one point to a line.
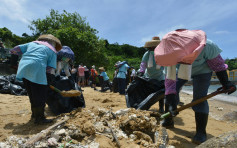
[102, 68]
[50, 37]
[153, 43]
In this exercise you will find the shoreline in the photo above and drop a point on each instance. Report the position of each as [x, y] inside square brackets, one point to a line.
[213, 82]
[219, 109]
[221, 97]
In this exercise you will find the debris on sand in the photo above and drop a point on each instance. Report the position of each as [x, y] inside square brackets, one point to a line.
[99, 127]
[226, 140]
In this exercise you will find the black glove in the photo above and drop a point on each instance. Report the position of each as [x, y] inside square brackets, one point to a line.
[51, 79]
[171, 101]
[228, 86]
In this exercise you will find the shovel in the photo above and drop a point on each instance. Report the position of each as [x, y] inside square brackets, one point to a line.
[218, 91]
[69, 93]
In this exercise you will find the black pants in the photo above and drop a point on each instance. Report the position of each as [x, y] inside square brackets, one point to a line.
[37, 93]
[106, 84]
[121, 85]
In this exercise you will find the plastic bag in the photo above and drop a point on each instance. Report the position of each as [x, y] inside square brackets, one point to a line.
[59, 104]
[142, 93]
[9, 85]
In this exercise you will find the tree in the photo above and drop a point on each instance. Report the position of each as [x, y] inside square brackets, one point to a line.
[232, 63]
[73, 31]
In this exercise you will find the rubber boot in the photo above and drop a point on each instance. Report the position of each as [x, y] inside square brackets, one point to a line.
[39, 116]
[161, 106]
[32, 113]
[201, 123]
[110, 87]
[168, 122]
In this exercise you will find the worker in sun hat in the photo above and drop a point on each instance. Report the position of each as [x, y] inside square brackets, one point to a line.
[196, 58]
[106, 81]
[121, 76]
[38, 57]
[149, 68]
[64, 57]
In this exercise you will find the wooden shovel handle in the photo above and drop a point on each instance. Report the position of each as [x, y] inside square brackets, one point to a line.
[55, 89]
[218, 91]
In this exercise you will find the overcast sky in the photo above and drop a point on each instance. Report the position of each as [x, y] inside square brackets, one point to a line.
[134, 21]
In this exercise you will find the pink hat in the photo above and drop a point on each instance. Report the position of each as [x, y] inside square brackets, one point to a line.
[180, 46]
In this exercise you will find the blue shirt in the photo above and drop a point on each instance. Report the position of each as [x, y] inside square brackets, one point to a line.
[104, 75]
[152, 72]
[122, 71]
[210, 51]
[35, 59]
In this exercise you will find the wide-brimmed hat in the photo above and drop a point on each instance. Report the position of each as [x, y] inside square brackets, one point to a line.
[180, 46]
[153, 43]
[50, 37]
[101, 68]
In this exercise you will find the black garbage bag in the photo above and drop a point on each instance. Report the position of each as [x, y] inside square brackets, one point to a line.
[142, 93]
[9, 85]
[59, 104]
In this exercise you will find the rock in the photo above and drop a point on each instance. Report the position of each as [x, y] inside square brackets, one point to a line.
[60, 132]
[122, 111]
[4, 145]
[52, 142]
[226, 140]
[88, 128]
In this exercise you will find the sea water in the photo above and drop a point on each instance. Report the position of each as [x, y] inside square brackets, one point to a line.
[232, 98]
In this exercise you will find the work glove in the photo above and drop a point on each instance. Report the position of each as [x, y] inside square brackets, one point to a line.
[51, 79]
[171, 101]
[227, 86]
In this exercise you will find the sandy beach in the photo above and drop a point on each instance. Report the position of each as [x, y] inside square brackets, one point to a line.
[15, 116]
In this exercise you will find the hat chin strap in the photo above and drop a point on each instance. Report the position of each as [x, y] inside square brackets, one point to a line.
[52, 43]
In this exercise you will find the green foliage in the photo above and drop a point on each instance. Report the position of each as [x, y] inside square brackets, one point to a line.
[232, 63]
[131, 54]
[75, 32]
[10, 40]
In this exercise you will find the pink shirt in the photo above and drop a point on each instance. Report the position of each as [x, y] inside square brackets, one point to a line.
[81, 71]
